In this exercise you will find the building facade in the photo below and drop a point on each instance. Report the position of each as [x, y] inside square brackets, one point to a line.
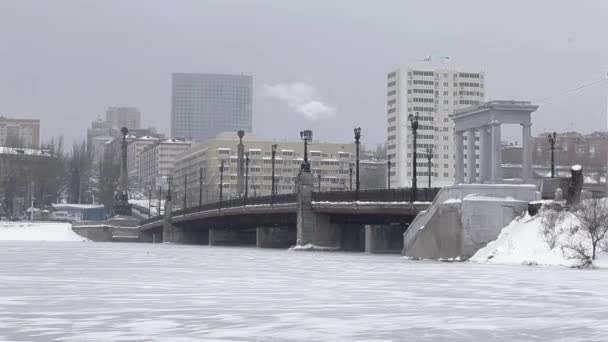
[204, 105]
[135, 147]
[118, 117]
[433, 93]
[200, 165]
[19, 132]
[156, 160]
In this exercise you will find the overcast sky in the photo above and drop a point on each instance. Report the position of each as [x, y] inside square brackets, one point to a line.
[65, 61]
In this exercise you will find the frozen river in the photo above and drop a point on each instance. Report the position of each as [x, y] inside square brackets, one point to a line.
[75, 291]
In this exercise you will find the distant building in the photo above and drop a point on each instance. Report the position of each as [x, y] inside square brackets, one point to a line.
[330, 161]
[204, 105]
[433, 93]
[157, 160]
[78, 212]
[374, 174]
[118, 117]
[135, 148]
[97, 135]
[19, 132]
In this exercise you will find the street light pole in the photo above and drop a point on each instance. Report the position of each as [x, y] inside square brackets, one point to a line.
[160, 194]
[357, 144]
[350, 172]
[200, 188]
[221, 180]
[414, 123]
[319, 179]
[388, 163]
[185, 191]
[552, 140]
[149, 202]
[274, 155]
[246, 176]
[429, 157]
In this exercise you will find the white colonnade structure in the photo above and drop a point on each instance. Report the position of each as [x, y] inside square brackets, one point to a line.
[485, 120]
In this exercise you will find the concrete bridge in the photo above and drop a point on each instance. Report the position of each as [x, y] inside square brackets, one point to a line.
[370, 220]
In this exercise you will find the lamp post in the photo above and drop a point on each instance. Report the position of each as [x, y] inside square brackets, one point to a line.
[357, 143]
[388, 163]
[272, 188]
[319, 183]
[306, 135]
[221, 180]
[429, 157]
[414, 123]
[185, 191]
[160, 194]
[246, 176]
[149, 202]
[350, 173]
[169, 181]
[200, 188]
[552, 140]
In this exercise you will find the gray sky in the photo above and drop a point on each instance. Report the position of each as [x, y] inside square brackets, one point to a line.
[65, 61]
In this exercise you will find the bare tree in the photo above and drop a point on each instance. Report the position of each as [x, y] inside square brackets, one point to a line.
[79, 164]
[551, 217]
[590, 232]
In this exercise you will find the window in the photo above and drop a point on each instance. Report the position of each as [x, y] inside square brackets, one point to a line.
[391, 102]
[446, 84]
[391, 84]
[391, 93]
[446, 93]
[391, 110]
[423, 73]
[392, 74]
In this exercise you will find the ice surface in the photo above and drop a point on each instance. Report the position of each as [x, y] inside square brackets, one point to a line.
[69, 291]
[38, 231]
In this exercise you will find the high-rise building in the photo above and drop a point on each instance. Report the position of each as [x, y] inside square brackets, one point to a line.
[204, 105]
[19, 132]
[119, 117]
[433, 93]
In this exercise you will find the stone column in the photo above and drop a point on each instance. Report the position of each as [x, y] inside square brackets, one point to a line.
[459, 155]
[484, 154]
[471, 156]
[526, 137]
[496, 153]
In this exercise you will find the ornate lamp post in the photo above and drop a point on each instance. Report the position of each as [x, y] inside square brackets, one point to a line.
[221, 180]
[388, 163]
[160, 194]
[429, 158]
[350, 172]
[149, 202]
[414, 123]
[274, 155]
[246, 176]
[185, 191]
[200, 188]
[552, 140]
[319, 179]
[307, 137]
[357, 143]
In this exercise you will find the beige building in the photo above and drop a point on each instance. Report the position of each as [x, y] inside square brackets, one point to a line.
[331, 161]
[433, 93]
[134, 150]
[156, 160]
[118, 117]
[19, 132]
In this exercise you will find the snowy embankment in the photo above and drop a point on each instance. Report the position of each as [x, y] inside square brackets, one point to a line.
[38, 231]
[522, 242]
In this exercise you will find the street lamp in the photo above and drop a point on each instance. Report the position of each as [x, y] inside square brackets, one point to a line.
[200, 188]
[429, 157]
[319, 179]
[350, 172]
[246, 176]
[388, 163]
[414, 123]
[149, 202]
[306, 135]
[274, 155]
[221, 180]
[357, 142]
[552, 140]
[185, 191]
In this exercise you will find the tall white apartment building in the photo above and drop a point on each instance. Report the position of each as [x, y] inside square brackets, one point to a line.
[433, 93]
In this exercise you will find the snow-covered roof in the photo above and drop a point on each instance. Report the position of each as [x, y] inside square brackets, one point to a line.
[76, 206]
[25, 151]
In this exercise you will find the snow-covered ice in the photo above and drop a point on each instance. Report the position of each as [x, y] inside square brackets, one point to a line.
[68, 291]
[37, 231]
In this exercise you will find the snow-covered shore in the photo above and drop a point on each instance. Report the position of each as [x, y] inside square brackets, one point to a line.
[521, 242]
[37, 231]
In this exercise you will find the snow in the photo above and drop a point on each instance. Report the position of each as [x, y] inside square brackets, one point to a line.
[521, 242]
[60, 206]
[311, 247]
[37, 231]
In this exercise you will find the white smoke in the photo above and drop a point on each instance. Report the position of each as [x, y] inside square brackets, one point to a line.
[302, 98]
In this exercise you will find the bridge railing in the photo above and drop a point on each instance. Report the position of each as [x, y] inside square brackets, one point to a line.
[376, 195]
[230, 203]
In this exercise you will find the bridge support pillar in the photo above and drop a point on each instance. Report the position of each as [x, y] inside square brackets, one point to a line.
[231, 237]
[384, 239]
[275, 237]
[313, 229]
[171, 233]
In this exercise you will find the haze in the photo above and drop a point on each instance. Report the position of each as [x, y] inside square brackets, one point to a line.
[65, 62]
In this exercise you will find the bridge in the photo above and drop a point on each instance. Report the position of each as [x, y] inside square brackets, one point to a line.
[371, 220]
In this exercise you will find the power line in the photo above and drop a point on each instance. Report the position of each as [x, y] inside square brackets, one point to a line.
[570, 91]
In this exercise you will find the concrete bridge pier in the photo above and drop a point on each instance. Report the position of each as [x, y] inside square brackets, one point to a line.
[313, 229]
[381, 239]
[231, 237]
[275, 237]
[171, 232]
[352, 237]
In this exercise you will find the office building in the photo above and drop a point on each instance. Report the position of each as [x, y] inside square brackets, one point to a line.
[19, 132]
[118, 117]
[156, 160]
[204, 105]
[433, 93]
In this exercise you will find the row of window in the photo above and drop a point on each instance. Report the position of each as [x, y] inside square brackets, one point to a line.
[423, 100]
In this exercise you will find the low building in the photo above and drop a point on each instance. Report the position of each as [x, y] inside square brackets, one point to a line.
[78, 212]
[157, 160]
[200, 166]
[19, 132]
